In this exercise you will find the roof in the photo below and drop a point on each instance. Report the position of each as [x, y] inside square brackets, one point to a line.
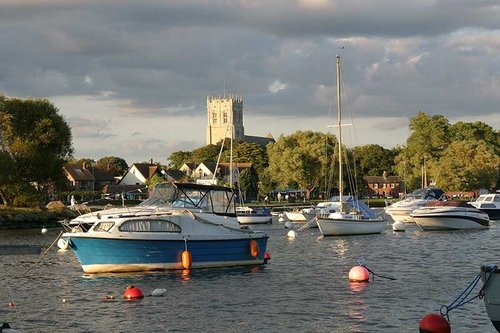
[191, 165]
[78, 174]
[102, 175]
[146, 169]
[381, 179]
[175, 174]
[260, 140]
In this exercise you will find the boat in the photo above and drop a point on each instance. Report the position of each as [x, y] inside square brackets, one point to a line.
[253, 215]
[450, 215]
[350, 216]
[488, 203]
[196, 227]
[300, 215]
[490, 275]
[400, 210]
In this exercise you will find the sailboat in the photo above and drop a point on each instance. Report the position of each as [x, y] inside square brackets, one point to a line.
[346, 215]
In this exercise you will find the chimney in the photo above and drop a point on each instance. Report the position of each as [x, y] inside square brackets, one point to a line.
[151, 161]
[384, 175]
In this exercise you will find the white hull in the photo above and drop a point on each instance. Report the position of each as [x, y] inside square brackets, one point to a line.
[491, 280]
[450, 218]
[299, 217]
[340, 227]
[242, 219]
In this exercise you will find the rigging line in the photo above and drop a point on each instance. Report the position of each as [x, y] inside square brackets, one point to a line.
[44, 253]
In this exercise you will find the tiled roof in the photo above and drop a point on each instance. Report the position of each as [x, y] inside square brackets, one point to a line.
[78, 174]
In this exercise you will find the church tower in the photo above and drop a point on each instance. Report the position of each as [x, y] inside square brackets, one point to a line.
[225, 119]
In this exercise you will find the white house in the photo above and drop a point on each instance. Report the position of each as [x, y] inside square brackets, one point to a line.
[139, 174]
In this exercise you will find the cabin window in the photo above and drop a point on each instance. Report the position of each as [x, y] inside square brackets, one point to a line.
[497, 199]
[149, 226]
[104, 226]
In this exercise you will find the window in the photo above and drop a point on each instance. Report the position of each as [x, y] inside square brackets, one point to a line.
[149, 225]
[392, 185]
[214, 117]
[375, 185]
[104, 226]
[225, 118]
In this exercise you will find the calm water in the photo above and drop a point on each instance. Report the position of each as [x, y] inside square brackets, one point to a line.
[304, 288]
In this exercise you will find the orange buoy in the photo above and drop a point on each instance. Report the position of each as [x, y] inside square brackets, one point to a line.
[359, 274]
[254, 248]
[267, 257]
[186, 259]
[434, 323]
[132, 292]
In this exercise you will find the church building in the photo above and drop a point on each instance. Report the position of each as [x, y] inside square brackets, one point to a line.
[225, 120]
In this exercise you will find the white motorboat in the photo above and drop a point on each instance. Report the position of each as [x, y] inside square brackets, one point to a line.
[253, 215]
[196, 229]
[351, 217]
[490, 275]
[300, 215]
[450, 215]
[488, 203]
[400, 210]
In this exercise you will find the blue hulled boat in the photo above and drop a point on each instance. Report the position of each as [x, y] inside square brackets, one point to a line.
[195, 226]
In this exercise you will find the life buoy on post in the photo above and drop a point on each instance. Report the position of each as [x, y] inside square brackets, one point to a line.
[254, 248]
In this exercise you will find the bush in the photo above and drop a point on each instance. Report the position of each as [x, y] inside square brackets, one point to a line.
[27, 200]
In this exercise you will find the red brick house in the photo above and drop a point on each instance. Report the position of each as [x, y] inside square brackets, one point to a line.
[383, 186]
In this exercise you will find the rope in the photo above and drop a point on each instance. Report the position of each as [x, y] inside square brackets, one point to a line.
[44, 253]
[381, 276]
[462, 298]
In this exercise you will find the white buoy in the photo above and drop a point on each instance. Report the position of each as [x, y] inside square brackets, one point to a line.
[291, 234]
[289, 225]
[159, 292]
[44, 231]
[399, 226]
[280, 215]
[62, 244]
[281, 220]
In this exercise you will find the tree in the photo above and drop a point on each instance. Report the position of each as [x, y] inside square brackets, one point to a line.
[429, 137]
[247, 182]
[373, 160]
[302, 158]
[476, 131]
[37, 140]
[178, 158]
[208, 153]
[247, 152]
[477, 167]
[116, 165]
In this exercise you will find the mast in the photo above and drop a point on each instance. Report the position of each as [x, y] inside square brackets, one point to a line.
[339, 108]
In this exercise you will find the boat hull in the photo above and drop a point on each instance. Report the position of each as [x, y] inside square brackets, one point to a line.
[254, 219]
[455, 220]
[111, 255]
[490, 276]
[341, 227]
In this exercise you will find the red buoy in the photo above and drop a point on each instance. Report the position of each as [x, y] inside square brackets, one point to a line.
[267, 257]
[434, 323]
[132, 292]
[186, 259]
[359, 274]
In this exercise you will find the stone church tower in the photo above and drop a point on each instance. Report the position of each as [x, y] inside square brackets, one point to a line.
[225, 119]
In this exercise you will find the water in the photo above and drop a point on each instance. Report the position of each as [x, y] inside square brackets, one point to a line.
[304, 288]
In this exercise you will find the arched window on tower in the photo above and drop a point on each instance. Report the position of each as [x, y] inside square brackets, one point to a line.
[224, 119]
[214, 117]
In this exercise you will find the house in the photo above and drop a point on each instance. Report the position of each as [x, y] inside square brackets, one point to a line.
[139, 174]
[383, 186]
[173, 175]
[207, 170]
[188, 168]
[102, 178]
[80, 179]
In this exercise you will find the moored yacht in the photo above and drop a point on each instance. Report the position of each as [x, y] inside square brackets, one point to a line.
[195, 227]
[488, 203]
[450, 215]
[400, 210]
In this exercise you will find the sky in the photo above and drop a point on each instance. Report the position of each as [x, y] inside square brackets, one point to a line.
[131, 77]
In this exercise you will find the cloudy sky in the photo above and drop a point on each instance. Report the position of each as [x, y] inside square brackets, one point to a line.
[131, 77]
